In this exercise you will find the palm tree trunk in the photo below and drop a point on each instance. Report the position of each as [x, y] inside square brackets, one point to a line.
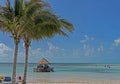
[26, 63]
[16, 42]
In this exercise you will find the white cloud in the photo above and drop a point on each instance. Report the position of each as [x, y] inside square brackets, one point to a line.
[4, 49]
[36, 52]
[88, 51]
[86, 39]
[50, 51]
[52, 47]
[117, 42]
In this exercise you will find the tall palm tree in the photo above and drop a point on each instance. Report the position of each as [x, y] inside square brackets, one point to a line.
[43, 25]
[12, 20]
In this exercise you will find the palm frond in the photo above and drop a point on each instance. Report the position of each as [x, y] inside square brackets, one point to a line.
[34, 6]
[18, 7]
[66, 25]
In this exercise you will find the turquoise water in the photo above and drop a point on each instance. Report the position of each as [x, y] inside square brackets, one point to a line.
[68, 71]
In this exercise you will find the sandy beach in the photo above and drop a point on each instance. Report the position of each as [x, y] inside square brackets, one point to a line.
[85, 81]
[80, 82]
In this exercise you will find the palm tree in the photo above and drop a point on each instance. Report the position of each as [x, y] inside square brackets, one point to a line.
[10, 21]
[44, 25]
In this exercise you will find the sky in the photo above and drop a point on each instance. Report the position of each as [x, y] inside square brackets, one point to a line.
[96, 38]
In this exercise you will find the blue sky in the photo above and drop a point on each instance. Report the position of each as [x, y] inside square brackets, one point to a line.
[96, 37]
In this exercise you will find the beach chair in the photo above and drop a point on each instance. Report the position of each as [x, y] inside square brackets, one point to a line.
[1, 79]
[7, 80]
[19, 79]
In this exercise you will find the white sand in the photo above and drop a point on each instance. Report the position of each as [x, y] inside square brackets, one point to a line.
[80, 82]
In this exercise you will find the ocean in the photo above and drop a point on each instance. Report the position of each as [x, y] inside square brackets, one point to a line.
[68, 71]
